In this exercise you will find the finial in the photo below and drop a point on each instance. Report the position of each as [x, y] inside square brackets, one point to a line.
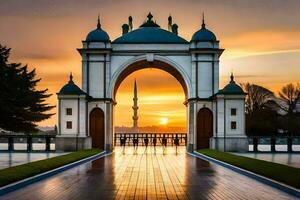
[98, 22]
[130, 23]
[175, 29]
[203, 20]
[71, 77]
[170, 23]
[135, 87]
[149, 16]
[231, 78]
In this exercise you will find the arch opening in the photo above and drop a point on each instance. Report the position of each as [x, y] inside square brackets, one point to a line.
[150, 94]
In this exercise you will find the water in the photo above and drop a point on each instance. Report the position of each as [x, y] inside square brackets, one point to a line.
[291, 159]
[278, 147]
[12, 159]
[23, 146]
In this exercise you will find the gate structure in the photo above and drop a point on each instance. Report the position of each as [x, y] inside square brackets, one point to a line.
[194, 63]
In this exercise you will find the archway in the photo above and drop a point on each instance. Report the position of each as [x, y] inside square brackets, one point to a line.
[97, 128]
[165, 68]
[204, 128]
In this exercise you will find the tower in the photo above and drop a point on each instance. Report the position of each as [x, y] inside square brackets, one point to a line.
[135, 107]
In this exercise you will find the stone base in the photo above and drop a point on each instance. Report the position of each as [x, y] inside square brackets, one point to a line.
[67, 143]
[109, 148]
[232, 144]
[190, 148]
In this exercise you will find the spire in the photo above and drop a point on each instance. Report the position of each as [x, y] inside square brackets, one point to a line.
[149, 22]
[149, 16]
[232, 78]
[135, 88]
[203, 21]
[130, 23]
[170, 23]
[71, 78]
[98, 22]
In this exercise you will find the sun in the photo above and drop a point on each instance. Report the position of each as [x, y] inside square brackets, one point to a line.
[163, 121]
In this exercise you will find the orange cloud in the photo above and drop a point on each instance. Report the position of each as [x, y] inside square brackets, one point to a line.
[261, 39]
[262, 42]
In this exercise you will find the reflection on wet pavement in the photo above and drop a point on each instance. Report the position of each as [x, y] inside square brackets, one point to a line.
[148, 174]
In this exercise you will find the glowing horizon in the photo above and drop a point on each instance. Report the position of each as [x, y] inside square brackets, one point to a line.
[152, 100]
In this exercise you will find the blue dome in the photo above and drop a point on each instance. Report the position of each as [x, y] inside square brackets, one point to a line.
[97, 35]
[70, 88]
[232, 88]
[150, 34]
[204, 35]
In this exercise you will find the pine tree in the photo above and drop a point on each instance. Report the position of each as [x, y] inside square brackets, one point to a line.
[21, 104]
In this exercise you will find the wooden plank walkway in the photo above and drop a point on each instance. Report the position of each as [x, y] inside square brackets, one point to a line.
[145, 175]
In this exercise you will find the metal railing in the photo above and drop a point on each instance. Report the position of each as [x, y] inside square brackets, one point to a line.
[141, 136]
[29, 140]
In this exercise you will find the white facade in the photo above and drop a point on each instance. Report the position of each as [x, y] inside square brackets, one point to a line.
[195, 64]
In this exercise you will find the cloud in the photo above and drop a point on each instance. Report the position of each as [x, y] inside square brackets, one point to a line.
[261, 38]
[37, 56]
[262, 42]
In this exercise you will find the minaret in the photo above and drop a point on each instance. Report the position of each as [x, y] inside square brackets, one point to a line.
[135, 108]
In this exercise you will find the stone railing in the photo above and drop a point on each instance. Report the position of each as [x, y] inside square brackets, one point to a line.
[28, 140]
[141, 136]
[272, 141]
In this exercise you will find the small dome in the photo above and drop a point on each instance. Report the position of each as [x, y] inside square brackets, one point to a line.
[204, 34]
[97, 35]
[70, 88]
[232, 88]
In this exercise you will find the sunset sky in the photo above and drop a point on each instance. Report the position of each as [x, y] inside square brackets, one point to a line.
[261, 38]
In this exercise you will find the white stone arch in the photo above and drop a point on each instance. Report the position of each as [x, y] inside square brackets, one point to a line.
[186, 78]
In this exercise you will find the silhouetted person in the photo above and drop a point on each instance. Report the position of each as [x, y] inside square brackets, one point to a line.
[164, 143]
[154, 141]
[146, 141]
[135, 143]
[123, 143]
[176, 142]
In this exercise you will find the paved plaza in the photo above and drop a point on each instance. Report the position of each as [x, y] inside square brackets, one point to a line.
[150, 175]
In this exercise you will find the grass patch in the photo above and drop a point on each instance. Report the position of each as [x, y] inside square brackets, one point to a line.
[282, 173]
[17, 173]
